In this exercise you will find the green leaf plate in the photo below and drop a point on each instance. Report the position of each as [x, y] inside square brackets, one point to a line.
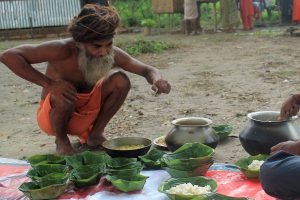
[33, 190]
[129, 184]
[87, 158]
[245, 162]
[86, 176]
[46, 159]
[198, 171]
[219, 197]
[42, 170]
[121, 162]
[198, 180]
[152, 159]
[223, 131]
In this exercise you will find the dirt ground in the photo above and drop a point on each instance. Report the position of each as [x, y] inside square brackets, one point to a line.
[220, 76]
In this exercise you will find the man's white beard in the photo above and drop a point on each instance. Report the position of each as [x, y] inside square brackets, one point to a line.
[94, 68]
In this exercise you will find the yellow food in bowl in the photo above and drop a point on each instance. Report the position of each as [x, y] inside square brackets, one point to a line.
[129, 147]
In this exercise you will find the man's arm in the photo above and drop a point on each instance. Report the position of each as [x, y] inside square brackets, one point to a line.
[288, 146]
[19, 60]
[151, 74]
[290, 107]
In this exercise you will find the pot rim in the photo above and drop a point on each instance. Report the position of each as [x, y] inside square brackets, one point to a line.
[175, 121]
[252, 114]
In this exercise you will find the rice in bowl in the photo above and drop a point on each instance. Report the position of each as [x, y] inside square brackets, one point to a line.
[189, 189]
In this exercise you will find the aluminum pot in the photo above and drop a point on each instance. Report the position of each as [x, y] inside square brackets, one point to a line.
[263, 130]
[189, 130]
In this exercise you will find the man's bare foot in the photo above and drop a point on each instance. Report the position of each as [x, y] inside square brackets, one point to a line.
[78, 147]
[95, 139]
[64, 147]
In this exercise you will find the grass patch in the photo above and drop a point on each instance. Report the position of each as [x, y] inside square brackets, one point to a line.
[145, 46]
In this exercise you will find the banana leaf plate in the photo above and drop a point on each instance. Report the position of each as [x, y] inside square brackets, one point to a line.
[199, 180]
[129, 184]
[245, 162]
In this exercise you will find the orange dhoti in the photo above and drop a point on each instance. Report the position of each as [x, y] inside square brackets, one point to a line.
[87, 108]
[296, 11]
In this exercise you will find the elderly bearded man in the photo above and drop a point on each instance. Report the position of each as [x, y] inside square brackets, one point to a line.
[79, 94]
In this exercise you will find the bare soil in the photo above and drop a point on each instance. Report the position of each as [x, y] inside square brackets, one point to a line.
[220, 76]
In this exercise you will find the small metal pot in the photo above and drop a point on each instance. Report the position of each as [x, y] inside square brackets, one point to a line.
[263, 131]
[189, 130]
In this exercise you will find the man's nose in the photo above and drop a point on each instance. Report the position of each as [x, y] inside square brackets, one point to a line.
[102, 52]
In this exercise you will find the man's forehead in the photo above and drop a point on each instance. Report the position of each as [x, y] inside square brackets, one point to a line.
[102, 41]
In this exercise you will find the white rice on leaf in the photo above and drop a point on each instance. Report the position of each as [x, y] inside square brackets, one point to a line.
[255, 165]
[189, 189]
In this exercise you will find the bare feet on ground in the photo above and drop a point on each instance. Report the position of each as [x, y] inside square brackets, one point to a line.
[64, 147]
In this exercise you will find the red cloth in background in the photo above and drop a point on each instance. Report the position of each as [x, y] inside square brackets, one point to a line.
[6, 170]
[235, 184]
[296, 11]
[247, 12]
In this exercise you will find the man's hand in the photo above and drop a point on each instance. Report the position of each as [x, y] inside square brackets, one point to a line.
[161, 86]
[289, 146]
[64, 89]
[289, 108]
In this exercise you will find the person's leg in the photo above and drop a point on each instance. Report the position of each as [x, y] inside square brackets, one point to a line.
[187, 26]
[250, 22]
[61, 111]
[194, 26]
[280, 175]
[244, 20]
[114, 92]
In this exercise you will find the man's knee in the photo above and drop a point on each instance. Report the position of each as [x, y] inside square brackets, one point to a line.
[120, 80]
[279, 175]
[60, 103]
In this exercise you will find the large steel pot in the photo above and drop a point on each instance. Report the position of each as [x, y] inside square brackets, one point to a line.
[191, 129]
[263, 130]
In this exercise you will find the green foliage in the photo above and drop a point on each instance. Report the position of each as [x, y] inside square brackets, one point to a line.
[148, 23]
[145, 46]
[133, 12]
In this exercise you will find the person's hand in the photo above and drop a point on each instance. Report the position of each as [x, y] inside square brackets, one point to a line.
[289, 108]
[161, 86]
[64, 89]
[288, 146]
